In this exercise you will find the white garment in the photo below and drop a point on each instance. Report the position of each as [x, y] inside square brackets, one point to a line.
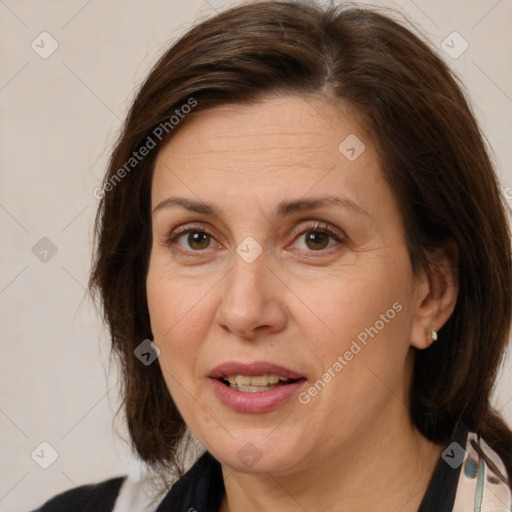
[143, 490]
[480, 487]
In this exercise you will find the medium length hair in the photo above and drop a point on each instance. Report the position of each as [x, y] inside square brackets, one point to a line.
[431, 152]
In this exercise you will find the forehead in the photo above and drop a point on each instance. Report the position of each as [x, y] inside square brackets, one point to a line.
[289, 144]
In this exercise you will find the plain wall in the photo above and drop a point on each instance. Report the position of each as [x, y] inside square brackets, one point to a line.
[59, 118]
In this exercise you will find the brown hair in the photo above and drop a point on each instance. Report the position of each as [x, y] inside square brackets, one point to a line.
[431, 152]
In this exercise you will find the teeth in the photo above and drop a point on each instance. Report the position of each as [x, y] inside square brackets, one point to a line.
[251, 389]
[259, 381]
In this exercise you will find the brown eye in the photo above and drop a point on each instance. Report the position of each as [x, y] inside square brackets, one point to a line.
[317, 240]
[198, 240]
[192, 240]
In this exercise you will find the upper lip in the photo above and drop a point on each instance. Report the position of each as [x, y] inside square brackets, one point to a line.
[253, 369]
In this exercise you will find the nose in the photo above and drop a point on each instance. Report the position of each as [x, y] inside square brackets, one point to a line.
[252, 305]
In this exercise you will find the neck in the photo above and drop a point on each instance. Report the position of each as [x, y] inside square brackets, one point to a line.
[385, 469]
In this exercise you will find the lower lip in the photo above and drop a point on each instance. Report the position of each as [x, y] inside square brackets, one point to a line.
[259, 401]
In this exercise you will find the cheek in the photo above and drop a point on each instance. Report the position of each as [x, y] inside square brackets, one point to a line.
[348, 304]
[174, 311]
[171, 315]
[360, 364]
[361, 326]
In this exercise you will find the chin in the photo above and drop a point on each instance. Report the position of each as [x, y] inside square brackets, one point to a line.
[251, 462]
[253, 453]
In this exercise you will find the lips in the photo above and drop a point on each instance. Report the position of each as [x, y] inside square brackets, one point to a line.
[253, 369]
[248, 399]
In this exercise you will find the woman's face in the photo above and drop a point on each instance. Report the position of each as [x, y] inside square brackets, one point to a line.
[276, 241]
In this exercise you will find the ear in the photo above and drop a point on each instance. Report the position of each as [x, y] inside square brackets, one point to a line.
[436, 294]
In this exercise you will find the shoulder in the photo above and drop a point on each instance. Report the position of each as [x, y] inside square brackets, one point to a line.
[99, 497]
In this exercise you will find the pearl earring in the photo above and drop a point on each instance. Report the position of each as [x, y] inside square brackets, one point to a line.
[433, 333]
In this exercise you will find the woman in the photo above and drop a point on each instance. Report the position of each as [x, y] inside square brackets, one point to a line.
[304, 261]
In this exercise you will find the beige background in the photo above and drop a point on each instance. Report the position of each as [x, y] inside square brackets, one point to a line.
[59, 117]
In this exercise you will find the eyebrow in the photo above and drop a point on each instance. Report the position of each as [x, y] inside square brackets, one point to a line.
[284, 208]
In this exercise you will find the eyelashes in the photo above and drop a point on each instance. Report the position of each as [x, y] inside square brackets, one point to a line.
[325, 231]
[176, 235]
[318, 232]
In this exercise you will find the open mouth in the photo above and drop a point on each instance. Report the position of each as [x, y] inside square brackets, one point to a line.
[257, 387]
[254, 384]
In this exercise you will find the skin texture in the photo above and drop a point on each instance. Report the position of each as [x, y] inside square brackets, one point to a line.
[300, 304]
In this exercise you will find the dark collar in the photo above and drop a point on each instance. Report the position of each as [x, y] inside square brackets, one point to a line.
[202, 487]
[440, 495]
